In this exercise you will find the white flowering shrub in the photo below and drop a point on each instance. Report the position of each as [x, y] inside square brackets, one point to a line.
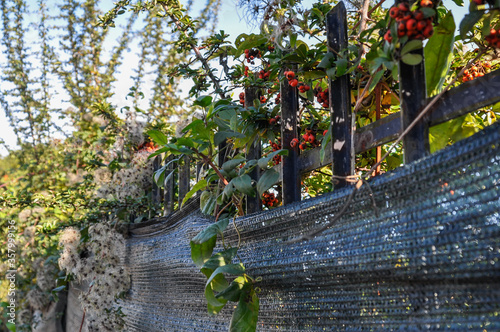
[97, 260]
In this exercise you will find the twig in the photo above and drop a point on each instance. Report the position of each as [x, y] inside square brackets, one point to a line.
[371, 11]
[196, 52]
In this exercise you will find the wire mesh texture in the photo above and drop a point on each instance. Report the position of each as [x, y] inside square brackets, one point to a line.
[428, 261]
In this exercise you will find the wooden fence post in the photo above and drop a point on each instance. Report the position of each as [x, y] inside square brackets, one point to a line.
[342, 121]
[290, 166]
[254, 204]
[413, 94]
[169, 187]
[184, 176]
[156, 193]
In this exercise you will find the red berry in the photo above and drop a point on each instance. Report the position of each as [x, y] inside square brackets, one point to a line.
[294, 142]
[411, 24]
[418, 15]
[325, 132]
[263, 99]
[294, 82]
[394, 12]
[403, 7]
[290, 75]
[272, 121]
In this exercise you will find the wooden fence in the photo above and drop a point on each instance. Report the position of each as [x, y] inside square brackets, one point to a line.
[347, 141]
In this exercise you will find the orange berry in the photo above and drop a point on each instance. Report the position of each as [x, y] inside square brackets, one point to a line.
[394, 12]
[411, 24]
[403, 7]
[290, 75]
[426, 3]
[418, 15]
[294, 82]
[294, 142]
[263, 99]
[311, 139]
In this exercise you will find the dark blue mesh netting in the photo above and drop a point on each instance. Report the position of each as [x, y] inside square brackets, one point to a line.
[429, 261]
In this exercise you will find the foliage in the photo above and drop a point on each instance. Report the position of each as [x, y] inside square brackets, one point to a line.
[100, 172]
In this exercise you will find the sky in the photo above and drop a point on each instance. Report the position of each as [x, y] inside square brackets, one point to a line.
[230, 20]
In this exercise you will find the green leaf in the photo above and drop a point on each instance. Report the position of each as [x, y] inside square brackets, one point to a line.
[438, 54]
[469, 21]
[313, 74]
[326, 62]
[203, 101]
[231, 164]
[411, 46]
[220, 259]
[158, 137]
[210, 231]
[207, 202]
[244, 185]
[233, 292]
[214, 305]
[412, 59]
[58, 289]
[198, 186]
[202, 251]
[341, 66]
[376, 78]
[267, 180]
[246, 314]
[459, 3]
[235, 269]
[302, 51]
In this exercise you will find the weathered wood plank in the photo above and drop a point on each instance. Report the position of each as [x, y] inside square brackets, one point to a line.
[169, 187]
[342, 120]
[467, 97]
[413, 99]
[184, 177]
[290, 167]
[254, 204]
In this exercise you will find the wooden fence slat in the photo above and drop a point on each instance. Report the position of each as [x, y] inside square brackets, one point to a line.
[184, 177]
[413, 99]
[254, 204]
[467, 97]
[342, 120]
[169, 187]
[289, 165]
[156, 193]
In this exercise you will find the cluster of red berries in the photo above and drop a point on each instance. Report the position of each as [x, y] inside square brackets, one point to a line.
[494, 38]
[475, 71]
[275, 120]
[412, 24]
[290, 76]
[242, 98]
[304, 88]
[263, 75]
[322, 97]
[269, 199]
[276, 147]
[251, 54]
[309, 140]
[246, 71]
[277, 100]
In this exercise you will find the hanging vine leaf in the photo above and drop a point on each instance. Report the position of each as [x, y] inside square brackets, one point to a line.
[438, 54]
